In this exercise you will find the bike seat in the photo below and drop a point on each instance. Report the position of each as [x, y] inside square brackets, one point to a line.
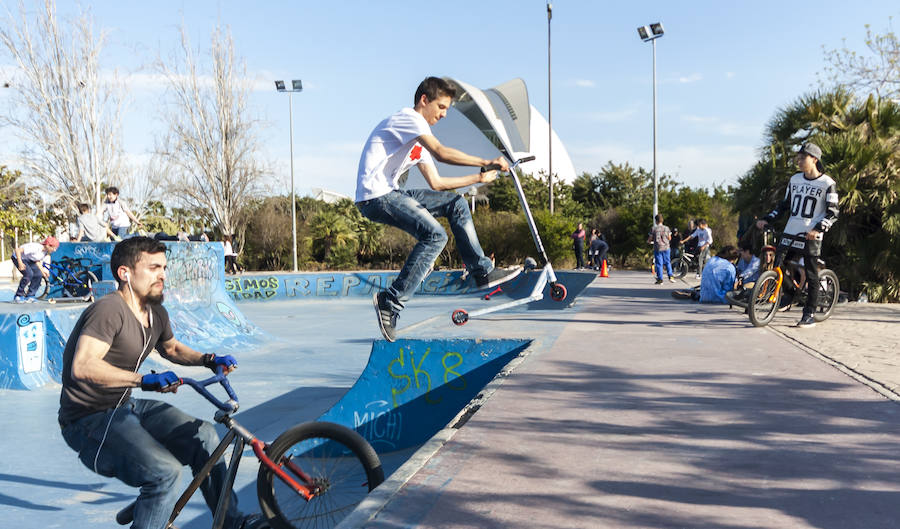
[126, 515]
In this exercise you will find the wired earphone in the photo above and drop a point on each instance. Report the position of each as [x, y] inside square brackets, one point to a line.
[146, 341]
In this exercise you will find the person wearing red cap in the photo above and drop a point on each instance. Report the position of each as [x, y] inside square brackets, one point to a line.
[28, 258]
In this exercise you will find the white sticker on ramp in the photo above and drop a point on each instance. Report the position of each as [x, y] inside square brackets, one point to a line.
[31, 346]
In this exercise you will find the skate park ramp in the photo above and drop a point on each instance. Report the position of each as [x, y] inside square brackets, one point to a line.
[203, 315]
[300, 359]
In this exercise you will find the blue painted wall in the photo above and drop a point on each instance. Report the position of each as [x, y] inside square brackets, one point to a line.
[265, 287]
[410, 389]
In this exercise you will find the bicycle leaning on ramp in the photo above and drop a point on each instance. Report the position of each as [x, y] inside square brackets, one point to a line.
[312, 475]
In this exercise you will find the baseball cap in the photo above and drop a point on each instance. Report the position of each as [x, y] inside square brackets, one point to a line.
[813, 150]
[51, 241]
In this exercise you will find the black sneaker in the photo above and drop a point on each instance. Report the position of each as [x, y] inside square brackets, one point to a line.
[255, 521]
[497, 276]
[806, 321]
[387, 318]
[659, 281]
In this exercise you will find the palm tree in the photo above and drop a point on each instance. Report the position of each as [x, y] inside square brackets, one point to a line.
[330, 230]
[860, 141]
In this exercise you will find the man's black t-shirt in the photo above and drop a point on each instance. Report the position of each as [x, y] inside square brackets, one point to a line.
[109, 320]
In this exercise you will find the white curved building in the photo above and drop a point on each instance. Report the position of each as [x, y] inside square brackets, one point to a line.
[496, 121]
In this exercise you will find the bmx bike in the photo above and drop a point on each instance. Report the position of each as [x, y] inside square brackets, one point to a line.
[312, 475]
[72, 276]
[547, 276]
[766, 295]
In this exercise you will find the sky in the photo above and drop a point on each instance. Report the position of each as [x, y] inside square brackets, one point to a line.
[723, 71]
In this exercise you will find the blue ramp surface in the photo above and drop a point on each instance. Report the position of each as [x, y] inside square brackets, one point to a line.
[411, 389]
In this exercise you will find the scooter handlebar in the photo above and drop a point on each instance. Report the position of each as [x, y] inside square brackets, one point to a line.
[496, 167]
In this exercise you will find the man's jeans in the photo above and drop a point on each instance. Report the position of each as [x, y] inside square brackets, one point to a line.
[147, 445]
[413, 211]
[31, 277]
[662, 260]
[702, 259]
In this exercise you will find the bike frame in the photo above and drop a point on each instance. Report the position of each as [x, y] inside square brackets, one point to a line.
[61, 273]
[239, 437]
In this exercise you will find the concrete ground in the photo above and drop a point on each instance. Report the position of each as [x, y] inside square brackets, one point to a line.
[650, 412]
[630, 410]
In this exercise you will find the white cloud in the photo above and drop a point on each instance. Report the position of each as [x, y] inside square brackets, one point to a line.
[614, 116]
[730, 75]
[584, 83]
[692, 78]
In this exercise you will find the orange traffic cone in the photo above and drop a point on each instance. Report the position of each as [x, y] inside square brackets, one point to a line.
[604, 271]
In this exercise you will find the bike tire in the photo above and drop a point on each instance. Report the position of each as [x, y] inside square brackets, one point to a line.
[43, 289]
[336, 457]
[761, 308]
[83, 285]
[679, 268]
[829, 291]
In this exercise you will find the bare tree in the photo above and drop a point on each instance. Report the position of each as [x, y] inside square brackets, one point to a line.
[211, 144]
[66, 112]
[877, 72]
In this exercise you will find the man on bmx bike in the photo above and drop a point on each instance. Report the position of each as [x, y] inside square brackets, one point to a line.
[144, 443]
[812, 200]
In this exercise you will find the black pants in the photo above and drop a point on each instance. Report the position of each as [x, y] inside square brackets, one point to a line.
[811, 267]
[579, 253]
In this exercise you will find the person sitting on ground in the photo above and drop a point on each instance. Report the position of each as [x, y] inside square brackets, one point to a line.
[90, 229]
[398, 143]
[29, 259]
[746, 268]
[718, 276]
[143, 443]
[745, 282]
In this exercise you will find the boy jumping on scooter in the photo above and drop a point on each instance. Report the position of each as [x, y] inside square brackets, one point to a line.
[402, 140]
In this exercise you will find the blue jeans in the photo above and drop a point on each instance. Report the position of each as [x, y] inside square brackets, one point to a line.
[413, 211]
[662, 258]
[147, 445]
[121, 231]
[31, 277]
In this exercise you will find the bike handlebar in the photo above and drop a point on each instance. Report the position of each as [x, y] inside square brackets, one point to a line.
[220, 377]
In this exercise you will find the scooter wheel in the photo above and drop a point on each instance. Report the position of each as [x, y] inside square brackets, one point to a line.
[557, 292]
[459, 317]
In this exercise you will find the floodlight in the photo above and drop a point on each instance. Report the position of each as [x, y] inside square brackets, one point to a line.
[644, 32]
[657, 29]
[297, 85]
[279, 85]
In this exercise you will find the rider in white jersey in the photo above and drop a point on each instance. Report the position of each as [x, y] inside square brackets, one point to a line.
[812, 200]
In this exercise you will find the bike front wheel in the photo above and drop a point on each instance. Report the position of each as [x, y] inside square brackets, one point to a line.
[83, 284]
[679, 268]
[764, 298]
[829, 290]
[340, 462]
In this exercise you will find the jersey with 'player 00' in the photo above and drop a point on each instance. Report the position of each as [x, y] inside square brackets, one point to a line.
[813, 205]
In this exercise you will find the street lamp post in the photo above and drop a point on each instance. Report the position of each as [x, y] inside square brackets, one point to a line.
[296, 86]
[549, 112]
[650, 34]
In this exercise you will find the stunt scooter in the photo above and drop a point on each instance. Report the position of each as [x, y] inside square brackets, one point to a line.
[557, 290]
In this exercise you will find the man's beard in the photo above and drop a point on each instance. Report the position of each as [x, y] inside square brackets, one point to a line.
[155, 299]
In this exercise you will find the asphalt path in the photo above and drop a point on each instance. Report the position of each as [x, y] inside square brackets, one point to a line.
[647, 412]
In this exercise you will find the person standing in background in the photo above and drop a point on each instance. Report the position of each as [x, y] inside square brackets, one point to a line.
[578, 246]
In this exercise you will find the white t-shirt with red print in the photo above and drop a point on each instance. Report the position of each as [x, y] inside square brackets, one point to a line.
[390, 151]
